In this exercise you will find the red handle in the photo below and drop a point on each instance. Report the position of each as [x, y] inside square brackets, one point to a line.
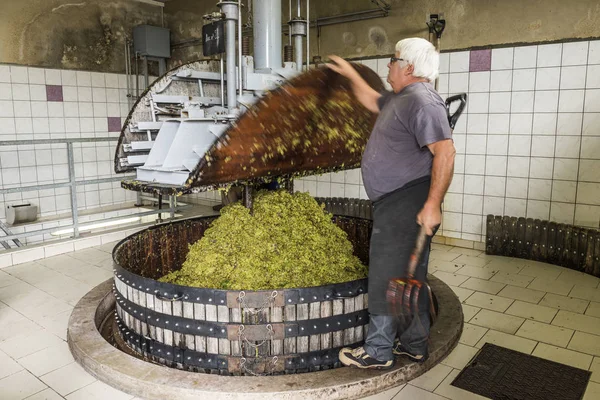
[417, 251]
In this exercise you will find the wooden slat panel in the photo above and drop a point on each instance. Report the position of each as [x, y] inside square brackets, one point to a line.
[552, 243]
[521, 246]
[504, 235]
[150, 301]
[166, 309]
[544, 241]
[590, 251]
[326, 310]
[338, 336]
[528, 238]
[212, 344]
[560, 244]
[158, 305]
[497, 235]
[178, 338]
[137, 326]
[168, 337]
[159, 335]
[568, 245]
[236, 316]
[302, 313]
[142, 298]
[315, 313]
[346, 207]
[135, 296]
[144, 329]
[489, 234]
[188, 312]
[583, 244]
[264, 349]
[597, 255]
[512, 237]
[289, 344]
[249, 316]
[223, 316]
[200, 314]
[276, 345]
[536, 248]
[359, 305]
[575, 239]
[349, 333]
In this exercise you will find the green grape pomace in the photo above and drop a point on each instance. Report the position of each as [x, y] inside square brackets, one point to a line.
[289, 241]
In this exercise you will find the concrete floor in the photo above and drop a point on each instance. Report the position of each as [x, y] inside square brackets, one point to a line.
[536, 308]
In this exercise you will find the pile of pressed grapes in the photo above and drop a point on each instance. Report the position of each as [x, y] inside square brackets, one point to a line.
[287, 241]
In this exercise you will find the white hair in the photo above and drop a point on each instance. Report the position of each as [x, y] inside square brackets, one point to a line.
[422, 55]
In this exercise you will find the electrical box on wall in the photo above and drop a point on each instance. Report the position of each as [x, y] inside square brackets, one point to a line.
[152, 41]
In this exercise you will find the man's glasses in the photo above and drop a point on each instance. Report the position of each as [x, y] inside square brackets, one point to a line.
[394, 59]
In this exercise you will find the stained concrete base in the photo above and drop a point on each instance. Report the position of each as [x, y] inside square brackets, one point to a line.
[151, 381]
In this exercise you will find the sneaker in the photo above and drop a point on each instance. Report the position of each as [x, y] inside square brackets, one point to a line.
[360, 359]
[398, 350]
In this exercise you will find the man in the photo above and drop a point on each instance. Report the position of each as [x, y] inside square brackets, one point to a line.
[407, 167]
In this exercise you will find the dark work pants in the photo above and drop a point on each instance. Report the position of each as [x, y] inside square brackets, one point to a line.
[393, 238]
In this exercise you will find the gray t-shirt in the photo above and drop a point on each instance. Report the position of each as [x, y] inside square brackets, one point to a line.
[396, 152]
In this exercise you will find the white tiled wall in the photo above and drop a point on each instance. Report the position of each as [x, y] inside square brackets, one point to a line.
[528, 144]
[40, 103]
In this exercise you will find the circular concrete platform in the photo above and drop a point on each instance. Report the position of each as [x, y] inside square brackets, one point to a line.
[152, 381]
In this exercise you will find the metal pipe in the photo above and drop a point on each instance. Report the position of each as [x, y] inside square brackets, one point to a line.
[376, 14]
[298, 52]
[240, 72]
[172, 206]
[146, 77]
[83, 226]
[307, 34]
[160, 199]
[127, 71]
[352, 14]
[71, 161]
[318, 22]
[222, 82]
[267, 34]
[230, 10]
[137, 77]
[289, 33]
[299, 4]
[230, 54]
[129, 83]
[201, 87]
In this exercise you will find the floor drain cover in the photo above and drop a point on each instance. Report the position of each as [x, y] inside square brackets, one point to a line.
[503, 374]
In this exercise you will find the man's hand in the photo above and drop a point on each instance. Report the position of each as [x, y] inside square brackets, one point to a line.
[342, 67]
[430, 217]
[364, 93]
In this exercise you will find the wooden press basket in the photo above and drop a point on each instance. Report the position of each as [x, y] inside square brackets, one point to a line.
[232, 332]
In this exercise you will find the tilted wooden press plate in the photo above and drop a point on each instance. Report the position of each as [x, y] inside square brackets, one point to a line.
[311, 124]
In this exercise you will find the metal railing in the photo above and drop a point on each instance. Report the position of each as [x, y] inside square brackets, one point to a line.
[72, 184]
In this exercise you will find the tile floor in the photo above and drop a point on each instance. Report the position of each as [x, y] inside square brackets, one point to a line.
[527, 306]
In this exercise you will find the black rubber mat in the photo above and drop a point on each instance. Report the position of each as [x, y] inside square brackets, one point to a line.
[503, 374]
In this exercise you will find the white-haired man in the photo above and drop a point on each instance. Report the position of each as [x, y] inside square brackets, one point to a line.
[407, 167]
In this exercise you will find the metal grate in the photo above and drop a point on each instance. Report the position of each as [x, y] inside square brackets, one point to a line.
[503, 374]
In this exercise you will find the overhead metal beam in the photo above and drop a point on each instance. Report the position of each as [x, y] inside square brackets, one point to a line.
[315, 23]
